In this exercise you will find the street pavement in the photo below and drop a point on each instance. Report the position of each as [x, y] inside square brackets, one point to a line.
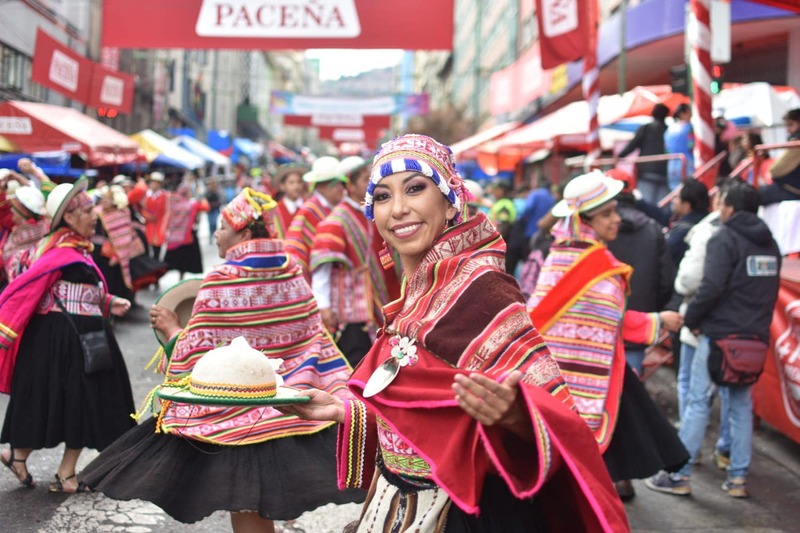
[774, 482]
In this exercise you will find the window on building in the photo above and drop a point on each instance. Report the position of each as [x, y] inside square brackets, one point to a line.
[16, 72]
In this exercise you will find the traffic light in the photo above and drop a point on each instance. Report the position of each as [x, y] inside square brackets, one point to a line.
[717, 74]
[679, 79]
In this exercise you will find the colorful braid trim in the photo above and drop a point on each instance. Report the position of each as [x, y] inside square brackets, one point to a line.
[232, 390]
[355, 430]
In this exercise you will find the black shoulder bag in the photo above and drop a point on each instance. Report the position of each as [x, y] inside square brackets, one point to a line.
[96, 350]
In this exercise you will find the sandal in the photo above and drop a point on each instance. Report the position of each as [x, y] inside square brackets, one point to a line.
[27, 481]
[58, 485]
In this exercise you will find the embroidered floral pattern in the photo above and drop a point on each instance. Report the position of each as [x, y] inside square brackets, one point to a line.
[404, 350]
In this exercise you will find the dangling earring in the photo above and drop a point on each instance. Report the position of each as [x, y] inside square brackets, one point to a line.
[385, 255]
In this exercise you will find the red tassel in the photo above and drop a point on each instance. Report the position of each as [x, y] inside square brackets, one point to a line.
[385, 255]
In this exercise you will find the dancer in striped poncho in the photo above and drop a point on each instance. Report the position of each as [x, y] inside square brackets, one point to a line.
[254, 461]
[473, 427]
[579, 306]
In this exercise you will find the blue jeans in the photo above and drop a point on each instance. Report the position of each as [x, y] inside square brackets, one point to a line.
[698, 409]
[684, 374]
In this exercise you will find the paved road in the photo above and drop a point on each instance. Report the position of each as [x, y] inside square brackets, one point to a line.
[774, 482]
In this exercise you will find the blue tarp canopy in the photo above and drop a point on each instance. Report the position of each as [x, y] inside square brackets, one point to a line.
[245, 147]
[54, 164]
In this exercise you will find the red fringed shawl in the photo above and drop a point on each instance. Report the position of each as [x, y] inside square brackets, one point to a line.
[465, 315]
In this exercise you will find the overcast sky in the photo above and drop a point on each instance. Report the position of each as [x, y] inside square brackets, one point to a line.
[335, 63]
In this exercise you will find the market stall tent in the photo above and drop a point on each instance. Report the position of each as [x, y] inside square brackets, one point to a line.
[34, 127]
[160, 151]
[220, 163]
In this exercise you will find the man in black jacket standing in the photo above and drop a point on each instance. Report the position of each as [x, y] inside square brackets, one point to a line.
[649, 139]
[641, 244]
[736, 297]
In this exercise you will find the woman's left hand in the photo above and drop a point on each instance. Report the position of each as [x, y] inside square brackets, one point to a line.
[120, 306]
[164, 320]
[488, 401]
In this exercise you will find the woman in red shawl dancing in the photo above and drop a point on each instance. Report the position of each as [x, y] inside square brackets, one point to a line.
[472, 424]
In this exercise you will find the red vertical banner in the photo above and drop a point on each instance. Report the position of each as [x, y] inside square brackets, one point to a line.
[58, 68]
[563, 27]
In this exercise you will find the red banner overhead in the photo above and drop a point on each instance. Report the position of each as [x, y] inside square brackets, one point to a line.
[563, 29]
[57, 67]
[111, 89]
[278, 24]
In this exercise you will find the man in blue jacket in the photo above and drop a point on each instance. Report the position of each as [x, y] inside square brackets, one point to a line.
[736, 297]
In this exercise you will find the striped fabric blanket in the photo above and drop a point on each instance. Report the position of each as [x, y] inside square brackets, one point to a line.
[258, 293]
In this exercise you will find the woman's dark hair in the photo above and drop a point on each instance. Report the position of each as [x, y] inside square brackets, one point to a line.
[696, 194]
[258, 230]
[754, 139]
[682, 108]
[741, 196]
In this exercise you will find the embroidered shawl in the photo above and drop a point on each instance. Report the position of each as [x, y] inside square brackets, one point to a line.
[585, 338]
[122, 238]
[23, 238]
[360, 286]
[445, 309]
[300, 236]
[181, 216]
[258, 293]
[22, 296]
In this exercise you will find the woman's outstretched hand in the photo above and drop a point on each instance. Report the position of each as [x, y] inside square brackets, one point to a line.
[492, 403]
[322, 406]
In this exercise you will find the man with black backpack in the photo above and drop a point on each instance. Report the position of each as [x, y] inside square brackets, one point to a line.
[732, 306]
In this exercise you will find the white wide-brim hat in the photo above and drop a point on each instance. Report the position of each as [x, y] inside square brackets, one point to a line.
[60, 197]
[586, 192]
[156, 176]
[325, 168]
[31, 199]
[179, 299]
[350, 164]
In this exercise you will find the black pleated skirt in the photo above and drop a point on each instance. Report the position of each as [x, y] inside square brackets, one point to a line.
[186, 258]
[644, 441]
[114, 279]
[280, 479]
[53, 400]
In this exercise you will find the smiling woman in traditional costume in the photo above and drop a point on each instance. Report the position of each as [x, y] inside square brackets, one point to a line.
[470, 418]
[256, 462]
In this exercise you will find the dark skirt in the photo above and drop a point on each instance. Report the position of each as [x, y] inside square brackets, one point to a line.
[186, 258]
[145, 271]
[53, 400]
[644, 441]
[114, 279]
[280, 479]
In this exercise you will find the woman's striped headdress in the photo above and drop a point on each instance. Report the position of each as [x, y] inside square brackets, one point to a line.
[418, 153]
